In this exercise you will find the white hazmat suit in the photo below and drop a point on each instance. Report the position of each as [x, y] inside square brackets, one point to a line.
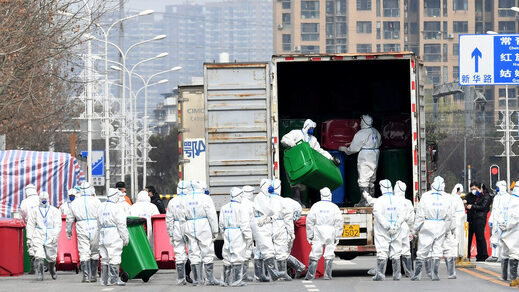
[366, 142]
[282, 228]
[30, 202]
[113, 235]
[65, 206]
[201, 229]
[84, 210]
[508, 223]
[498, 206]
[294, 208]
[452, 238]
[324, 224]
[145, 209]
[293, 137]
[176, 229]
[237, 237]
[246, 201]
[390, 213]
[400, 188]
[44, 227]
[434, 218]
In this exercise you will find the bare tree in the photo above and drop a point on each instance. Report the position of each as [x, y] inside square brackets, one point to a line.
[40, 69]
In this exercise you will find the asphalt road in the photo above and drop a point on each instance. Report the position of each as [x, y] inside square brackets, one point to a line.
[347, 276]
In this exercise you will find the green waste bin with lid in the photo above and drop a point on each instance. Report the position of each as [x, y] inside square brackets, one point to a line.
[306, 166]
[137, 259]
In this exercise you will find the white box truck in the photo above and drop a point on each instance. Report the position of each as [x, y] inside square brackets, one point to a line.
[243, 104]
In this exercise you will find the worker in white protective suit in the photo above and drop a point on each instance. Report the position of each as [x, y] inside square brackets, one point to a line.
[390, 213]
[201, 229]
[123, 204]
[508, 223]
[263, 216]
[306, 134]
[246, 202]
[324, 225]
[406, 232]
[366, 142]
[237, 238]
[282, 229]
[84, 210]
[498, 205]
[65, 206]
[460, 220]
[451, 244]
[30, 202]
[433, 220]
[294, 208]
[44, 227]
[145, 209]
[113, 235]
[176, 231]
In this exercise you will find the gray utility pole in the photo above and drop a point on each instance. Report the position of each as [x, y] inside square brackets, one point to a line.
[122, 139]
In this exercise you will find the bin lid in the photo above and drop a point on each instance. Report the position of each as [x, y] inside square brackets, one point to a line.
[158, 216]
[13, 223]
[135, 221]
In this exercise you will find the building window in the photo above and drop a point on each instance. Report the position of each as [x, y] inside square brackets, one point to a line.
[330, 8]
[391, 8]
[432, 74]
[460, 26]
[340, 7]
[432, 8]
[445, 30]
[363, 26]
[378, 48]
[364, 48]
[507, 27]
[285, 4]
[460, 4]
[378, 30]
[455, 72]
[504, 8]
[309, 31]
[341, 29]
[341, 49]
[391, 30]
[511, 97]
[378, 8]
[413, 5]
[445, 52]
[330, 30]
[479, 27]
[414, 27]
[285, 18]
[391, 47]
[310, 49]
[445, 74]
[455, 49]
[287, 42]
[363, 4]
[445, 8]
[432, 53]
[431, 30]
[415, 49]
[309, 9]
[330, 49]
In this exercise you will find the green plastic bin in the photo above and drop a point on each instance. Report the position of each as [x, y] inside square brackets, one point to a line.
[26, 258]
[137, 259]
[285, 126]
[306, 166]
[396, 164]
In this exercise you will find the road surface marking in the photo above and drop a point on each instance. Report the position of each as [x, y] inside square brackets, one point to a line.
[483, 277]
[489, 272]
[306, 281]
[310, 286]
[107, 289]
[313, 290]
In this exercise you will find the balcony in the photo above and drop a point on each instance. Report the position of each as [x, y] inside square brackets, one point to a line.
[432, 12]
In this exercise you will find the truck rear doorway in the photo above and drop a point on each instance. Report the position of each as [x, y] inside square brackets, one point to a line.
[325, 90]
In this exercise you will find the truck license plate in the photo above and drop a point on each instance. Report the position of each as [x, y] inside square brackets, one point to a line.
[351, 231]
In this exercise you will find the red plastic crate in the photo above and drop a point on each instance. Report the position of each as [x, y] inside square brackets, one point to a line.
[335, 133]
[162, 249]
[68, 253]
[396, 131]
[11, 247]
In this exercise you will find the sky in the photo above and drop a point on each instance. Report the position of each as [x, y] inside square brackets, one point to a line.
[158, 5]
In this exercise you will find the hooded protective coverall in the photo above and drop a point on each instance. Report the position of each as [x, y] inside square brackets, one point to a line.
[201, 229]
[434, 218]
[65, 206]
[498, 206]
[176, 228]
[291, 138]
[84, 210]
[508, 224]
[282, 228]
[294, 208]
[113, 235]
[390, 213]
[263, 218]
[145, 209]
[400, 188]
[324, 225]
[246, 201]
[237, 238]
[366, 142]
[30, 202]
[451, 244]
[44, 227]
[460, 219]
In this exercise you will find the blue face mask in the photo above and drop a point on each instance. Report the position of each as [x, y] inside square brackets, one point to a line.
[207, 192]
[44, 202]
[271, 189]
[497, 190]
[310, 131]
[71, 198]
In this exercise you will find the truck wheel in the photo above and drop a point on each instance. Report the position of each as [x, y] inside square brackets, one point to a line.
[218, 246]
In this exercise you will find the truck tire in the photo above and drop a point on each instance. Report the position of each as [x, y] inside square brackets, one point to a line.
[218, 246]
